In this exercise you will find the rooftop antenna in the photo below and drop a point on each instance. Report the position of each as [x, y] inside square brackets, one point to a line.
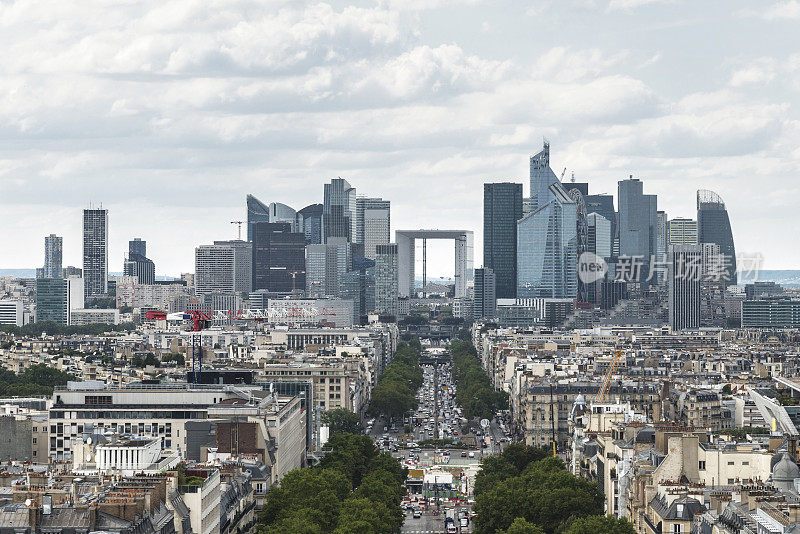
[573, 177]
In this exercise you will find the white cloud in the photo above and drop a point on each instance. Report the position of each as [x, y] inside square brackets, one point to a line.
[628, 5]
[790, 9]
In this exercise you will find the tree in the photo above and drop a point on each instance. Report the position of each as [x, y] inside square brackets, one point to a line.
[365, 516]
[598, 524]
[391, 398]
[351, 455]
[342, 421]
[520, 526]
[494, 469]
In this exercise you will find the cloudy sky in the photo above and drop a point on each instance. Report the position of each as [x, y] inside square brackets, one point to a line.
[170, 112]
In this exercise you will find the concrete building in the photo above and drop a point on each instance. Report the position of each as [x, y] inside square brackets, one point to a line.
[373, 223]
[11, 312]
[95, 252]
[300, 312]
[684, 275]
[224, 267]
[778, 313]
[82, 317]
[485, 299]
[464, 260]
[138, 264]
[386, 279]
[682, 231]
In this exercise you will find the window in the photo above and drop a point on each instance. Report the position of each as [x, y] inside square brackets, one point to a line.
[677, 528]
[746, 463]
[730, 463]
[702, 465]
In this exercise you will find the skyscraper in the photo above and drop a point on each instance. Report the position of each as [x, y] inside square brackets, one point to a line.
[257, 211]
[637, 228]
[599, 235]
[372, 224]
[685, 264]
[547, 237]
[325, 265]
[95, 252]
[485, 298]
[386, 279]
[358, 285]
[502, 208]
[682, 231]
[604, 205]
[53, 250]
[339, 210]
[214, 268]
[138, 264]
[309, 223]
[279, 262]
[57, 297]
[281, 213]
[242, 264]
[714, 226]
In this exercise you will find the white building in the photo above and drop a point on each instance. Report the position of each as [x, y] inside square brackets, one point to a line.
[85, 316]
[11, 312]
[311, 311]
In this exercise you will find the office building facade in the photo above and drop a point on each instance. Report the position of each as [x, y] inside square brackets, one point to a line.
[257, 211]
[214, 268]
[279, 261]
[339, 210]
[714, 226]
[502, 208]
[309, 223]
[682, 231]
[386, 279]
[485, 297]
[138, 264]
[685, 264]
[325, 265]
[373, 223]
[95, 253]
[53, 251]
[11, 312]
[57, 297]
[242, 264]
[637, 228]
[771, 313]
[547, 238]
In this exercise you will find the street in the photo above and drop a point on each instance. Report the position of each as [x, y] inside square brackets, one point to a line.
[446, 472]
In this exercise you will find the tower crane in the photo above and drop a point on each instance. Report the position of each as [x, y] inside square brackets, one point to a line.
[240, 223]
[612, 367]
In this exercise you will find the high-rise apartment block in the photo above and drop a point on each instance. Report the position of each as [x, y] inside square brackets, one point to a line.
[11, 312]
[684, 273]
[386, 279]
[138, 264]
[278, 258]
[222, 267]
[502, 208]
[53, 251]
[95, 252]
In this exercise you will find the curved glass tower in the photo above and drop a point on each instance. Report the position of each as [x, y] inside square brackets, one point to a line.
[714, 226]
[257, 211]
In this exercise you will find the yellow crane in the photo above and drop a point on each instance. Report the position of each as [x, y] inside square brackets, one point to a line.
[612, 367]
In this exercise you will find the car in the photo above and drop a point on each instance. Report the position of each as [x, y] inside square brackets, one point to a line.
[417, 514]
[472, 454]
[463, 454]
[464, 522]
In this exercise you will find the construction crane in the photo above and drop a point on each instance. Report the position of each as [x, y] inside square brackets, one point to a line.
[240, 223]
[200, 320]
[562, 175]
[294, 274]
[612, 367]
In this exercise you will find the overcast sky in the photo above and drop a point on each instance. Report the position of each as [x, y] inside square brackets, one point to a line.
[170, 112]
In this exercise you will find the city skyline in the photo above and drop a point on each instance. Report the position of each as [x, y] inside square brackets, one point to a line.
[419, 112]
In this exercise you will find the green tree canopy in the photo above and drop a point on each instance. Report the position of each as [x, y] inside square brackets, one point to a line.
[597, 524]
[342, 421]
[520, 526]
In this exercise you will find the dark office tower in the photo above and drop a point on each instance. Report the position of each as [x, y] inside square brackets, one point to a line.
[279, 262]
[309, 223]
[257, 211]
[53, 248]
[95, 252]
[603, 205]
[685, 264]
[714, 226]
[502, 208]
[485, 299]
[137, 264]
[137, 247]
[339, 210]
[637, 229]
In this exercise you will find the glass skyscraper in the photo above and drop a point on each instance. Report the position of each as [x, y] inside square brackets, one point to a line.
[502, 208]
[53, 249]
[547, 237]
[309, 222]
[714, 226]
[257, 211]
[637, 229]
[279, 261]
[339, 210]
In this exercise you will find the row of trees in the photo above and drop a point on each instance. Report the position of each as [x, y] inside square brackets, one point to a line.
[525, 491]
[395, 392]
[354, 490]
[36, 380]
[474, 391]
[51, 328]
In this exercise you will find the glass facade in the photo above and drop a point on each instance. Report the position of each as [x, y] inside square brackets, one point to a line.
[502, 208]
[638, 228]
[338, 210]
[547, 249]
[52, 301]
[95, 252]
[279, 260]
[714, 226]
[257, 211]
[309, 222]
